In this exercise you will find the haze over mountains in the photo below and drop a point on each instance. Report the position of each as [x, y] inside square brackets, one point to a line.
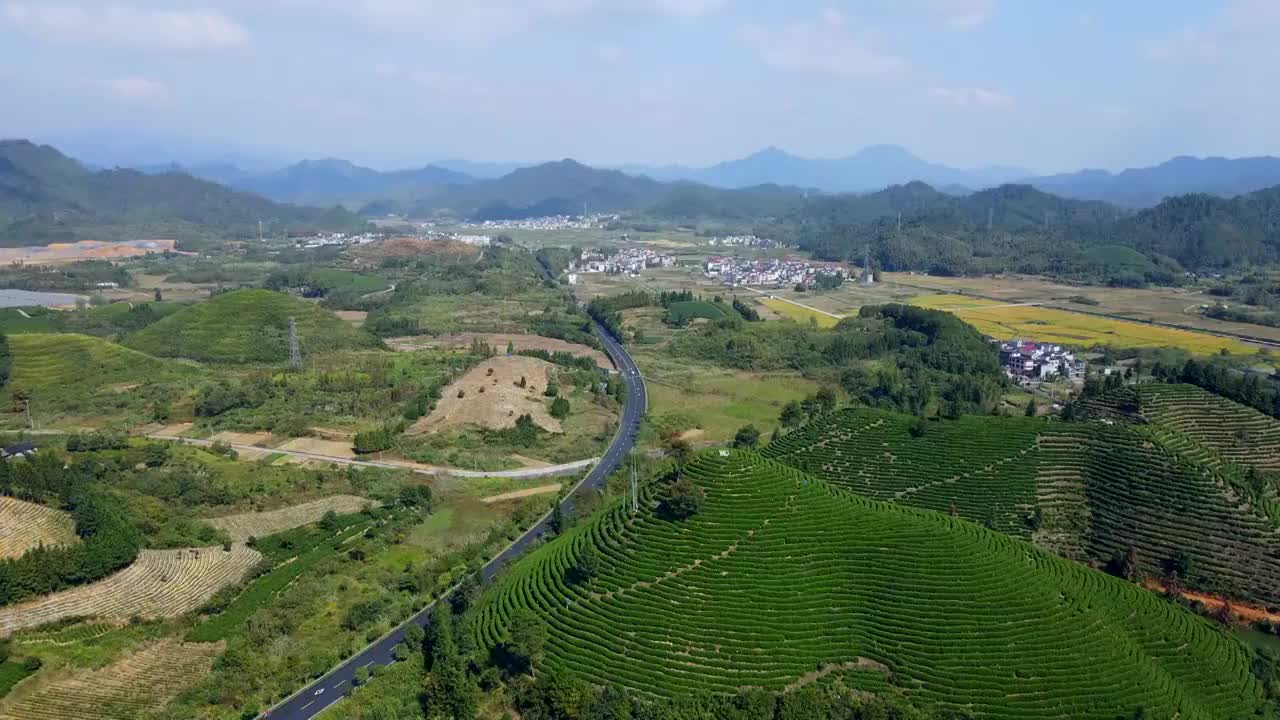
[46, 196]
[335, 181]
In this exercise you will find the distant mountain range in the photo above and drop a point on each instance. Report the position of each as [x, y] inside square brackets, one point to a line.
[869, 169]
[433, 187]
[1144, 187]
[46, 197]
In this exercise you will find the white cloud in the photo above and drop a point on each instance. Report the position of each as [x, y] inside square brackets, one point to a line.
[971, 98]
[495, 18]
[828, 46]
[954, 14]
[139, 89]
[1185, 44]
[123, 26]
[609, 53]
[1242, 29]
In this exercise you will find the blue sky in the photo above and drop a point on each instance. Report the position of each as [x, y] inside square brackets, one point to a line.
[1047, 85]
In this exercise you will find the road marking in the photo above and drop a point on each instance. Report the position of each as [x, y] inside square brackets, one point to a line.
[304, 707]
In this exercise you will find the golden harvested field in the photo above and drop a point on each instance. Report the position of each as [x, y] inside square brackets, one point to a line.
[1175, 305]
[143, 682]
[25, 525]
[799, 314]
[1010, 321]
[159, 584]
[243, 526]
[501, 401]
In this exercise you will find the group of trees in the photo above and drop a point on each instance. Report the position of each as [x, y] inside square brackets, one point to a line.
[798, 412]
[109, 540]
[550, 695]
[1242, 385]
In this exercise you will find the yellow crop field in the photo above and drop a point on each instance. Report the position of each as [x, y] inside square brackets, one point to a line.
[1008, 322]
[799, 314]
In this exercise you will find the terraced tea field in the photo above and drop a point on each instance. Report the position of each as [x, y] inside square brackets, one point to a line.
[25, 525]
[1019, 320]
[1084, 490]
[1230, 432]
[243, 526]
[781, 574]
[128, 689]
[159, 584]
[979, 466]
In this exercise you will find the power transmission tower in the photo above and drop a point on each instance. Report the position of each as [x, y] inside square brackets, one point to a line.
[868, 276]
[990, 215]
[899, 222]
[295, 350]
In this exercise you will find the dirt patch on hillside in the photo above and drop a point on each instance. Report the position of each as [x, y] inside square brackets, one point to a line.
[355, 317]
[243, 526]
[174, 430]
[518, 494]
[410, 246]
[499, 341]
[325, 433]
[331, 448]
[260, 439]
[502, 400]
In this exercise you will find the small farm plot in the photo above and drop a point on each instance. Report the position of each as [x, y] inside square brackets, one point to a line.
[799, 313]
[159, 584]
[680, 313]
[25, 525]
[141, 683]
[243, 526]
[779, 574]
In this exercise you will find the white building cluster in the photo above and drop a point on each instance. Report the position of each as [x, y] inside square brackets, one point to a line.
[1026, 361]
[628, 260]
[342, 239]
[551, 222]
[730, 270]
[744, 241]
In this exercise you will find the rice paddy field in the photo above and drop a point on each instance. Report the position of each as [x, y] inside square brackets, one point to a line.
[780, 575]
[1019, 320]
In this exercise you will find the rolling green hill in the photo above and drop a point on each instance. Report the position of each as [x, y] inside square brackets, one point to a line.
[78, 376]
[47, 197]
[781, 578]
[248, 326]
[1087, 490]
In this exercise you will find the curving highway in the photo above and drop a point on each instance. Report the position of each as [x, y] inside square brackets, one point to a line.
[336, 684]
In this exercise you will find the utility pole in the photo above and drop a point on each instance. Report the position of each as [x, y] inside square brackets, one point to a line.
[899, 222]
[295, 350]
[259, 230]
[31, 424]
[990, 217]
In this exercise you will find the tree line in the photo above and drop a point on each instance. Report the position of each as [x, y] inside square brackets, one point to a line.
[108, 539]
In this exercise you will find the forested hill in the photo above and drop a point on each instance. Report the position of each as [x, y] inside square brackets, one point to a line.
[47, 197]
[1033, 231]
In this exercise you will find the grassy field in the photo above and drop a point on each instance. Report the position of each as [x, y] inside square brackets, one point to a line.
[1059, 326]
[778, 575]
[248, 326]
[687, 396]
[797, 313]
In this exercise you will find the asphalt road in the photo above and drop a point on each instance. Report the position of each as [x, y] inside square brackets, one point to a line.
[335, 684]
